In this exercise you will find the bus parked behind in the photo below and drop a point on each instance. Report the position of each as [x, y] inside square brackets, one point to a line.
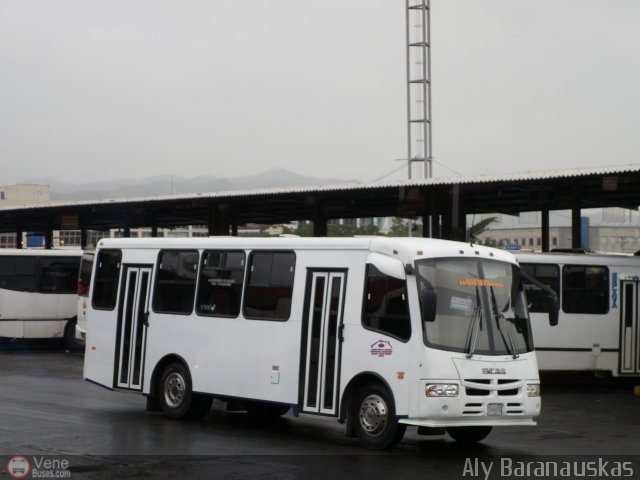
[84, 282]
[598, 327]
[38, 294]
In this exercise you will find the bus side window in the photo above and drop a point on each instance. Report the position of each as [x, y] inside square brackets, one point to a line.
[585, 289]
[175, 287]
[220, 283]
[18, 273]
[385, 305]
[105, 291]
[269, 285]
[59, 274]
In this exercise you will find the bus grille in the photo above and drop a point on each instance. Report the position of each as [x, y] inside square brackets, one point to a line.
[490, 390]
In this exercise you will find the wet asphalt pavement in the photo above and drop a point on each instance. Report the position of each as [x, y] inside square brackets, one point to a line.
[47, 409]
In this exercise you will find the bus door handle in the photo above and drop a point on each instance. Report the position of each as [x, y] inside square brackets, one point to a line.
[340, 332]
[145, 319]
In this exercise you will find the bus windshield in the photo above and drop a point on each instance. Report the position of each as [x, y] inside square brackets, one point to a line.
[476, 306]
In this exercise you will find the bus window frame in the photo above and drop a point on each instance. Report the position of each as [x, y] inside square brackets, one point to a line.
[94, 275]
[156, 277]
[246, 286]
[197, 310]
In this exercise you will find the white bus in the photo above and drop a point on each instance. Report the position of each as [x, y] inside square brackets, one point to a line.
[84, 281]
[38, 294]
[598, 326]
[378, 333]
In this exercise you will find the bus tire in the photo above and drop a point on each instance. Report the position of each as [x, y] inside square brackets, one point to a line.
[374, 417]
[467, 435]
[265, 410]
[70, 340]
[175, 392]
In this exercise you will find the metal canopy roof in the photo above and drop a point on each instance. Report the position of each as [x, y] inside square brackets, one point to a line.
[510, 194]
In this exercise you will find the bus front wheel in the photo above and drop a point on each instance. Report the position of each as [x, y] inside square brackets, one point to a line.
[469, 434]
[374, 417]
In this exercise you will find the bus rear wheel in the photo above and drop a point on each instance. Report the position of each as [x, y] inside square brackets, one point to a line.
[374, 417]
[70, 341]
[469, 434]
[174, 391]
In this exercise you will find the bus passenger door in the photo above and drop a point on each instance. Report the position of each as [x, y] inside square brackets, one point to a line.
[324, 301]
[133, 311]
[629, 329]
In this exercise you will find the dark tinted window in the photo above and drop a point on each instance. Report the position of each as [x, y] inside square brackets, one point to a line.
[385, 305]
[175, 286]
[18, 273]
[84, 279]
[546, 274]
[59, 274]
[585, 289]
[220, 284]
[105, 290]
[269, 285]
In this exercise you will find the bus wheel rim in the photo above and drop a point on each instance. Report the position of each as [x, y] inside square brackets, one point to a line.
[374, 415]
[174, 389]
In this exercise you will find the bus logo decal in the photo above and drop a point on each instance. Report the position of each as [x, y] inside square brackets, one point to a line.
[614, 290]
[381, 348]
[494, 371]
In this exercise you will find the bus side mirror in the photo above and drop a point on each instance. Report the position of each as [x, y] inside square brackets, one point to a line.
[552, 302]
[428, 302]
[553, 306]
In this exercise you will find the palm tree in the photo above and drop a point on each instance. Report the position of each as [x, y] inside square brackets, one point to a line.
[477, 228]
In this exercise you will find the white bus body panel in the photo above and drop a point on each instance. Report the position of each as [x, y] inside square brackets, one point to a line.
[258, 359]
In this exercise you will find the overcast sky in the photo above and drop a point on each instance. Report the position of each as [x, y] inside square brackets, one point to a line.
[93, 90]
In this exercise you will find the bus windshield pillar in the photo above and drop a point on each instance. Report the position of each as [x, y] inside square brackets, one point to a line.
[319, 222]
[576, 228]
[545, 229]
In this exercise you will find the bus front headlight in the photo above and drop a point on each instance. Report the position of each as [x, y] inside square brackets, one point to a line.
[533, 390]
[441, 390]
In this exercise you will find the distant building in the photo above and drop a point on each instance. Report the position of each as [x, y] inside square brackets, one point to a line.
[614, 230]
[23, 194]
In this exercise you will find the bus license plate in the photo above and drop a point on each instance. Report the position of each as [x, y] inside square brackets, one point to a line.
[494, 409]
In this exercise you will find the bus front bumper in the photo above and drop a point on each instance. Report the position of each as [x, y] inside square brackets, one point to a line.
[492, 403]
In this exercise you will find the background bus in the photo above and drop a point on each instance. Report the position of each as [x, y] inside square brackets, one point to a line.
[598, 323]
[378, 333]
[84, 282]
[38, 294]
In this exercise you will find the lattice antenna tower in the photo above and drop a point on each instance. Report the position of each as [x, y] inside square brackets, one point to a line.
[419, 89]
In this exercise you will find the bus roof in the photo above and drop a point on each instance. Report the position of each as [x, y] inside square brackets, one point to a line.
[41, 252]
[590, 258]
[403, 248]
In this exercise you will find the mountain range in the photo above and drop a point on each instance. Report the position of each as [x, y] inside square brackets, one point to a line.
[172, 184]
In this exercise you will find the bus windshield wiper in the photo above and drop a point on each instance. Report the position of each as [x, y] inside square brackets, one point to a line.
[508, 340]
[474, 327]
